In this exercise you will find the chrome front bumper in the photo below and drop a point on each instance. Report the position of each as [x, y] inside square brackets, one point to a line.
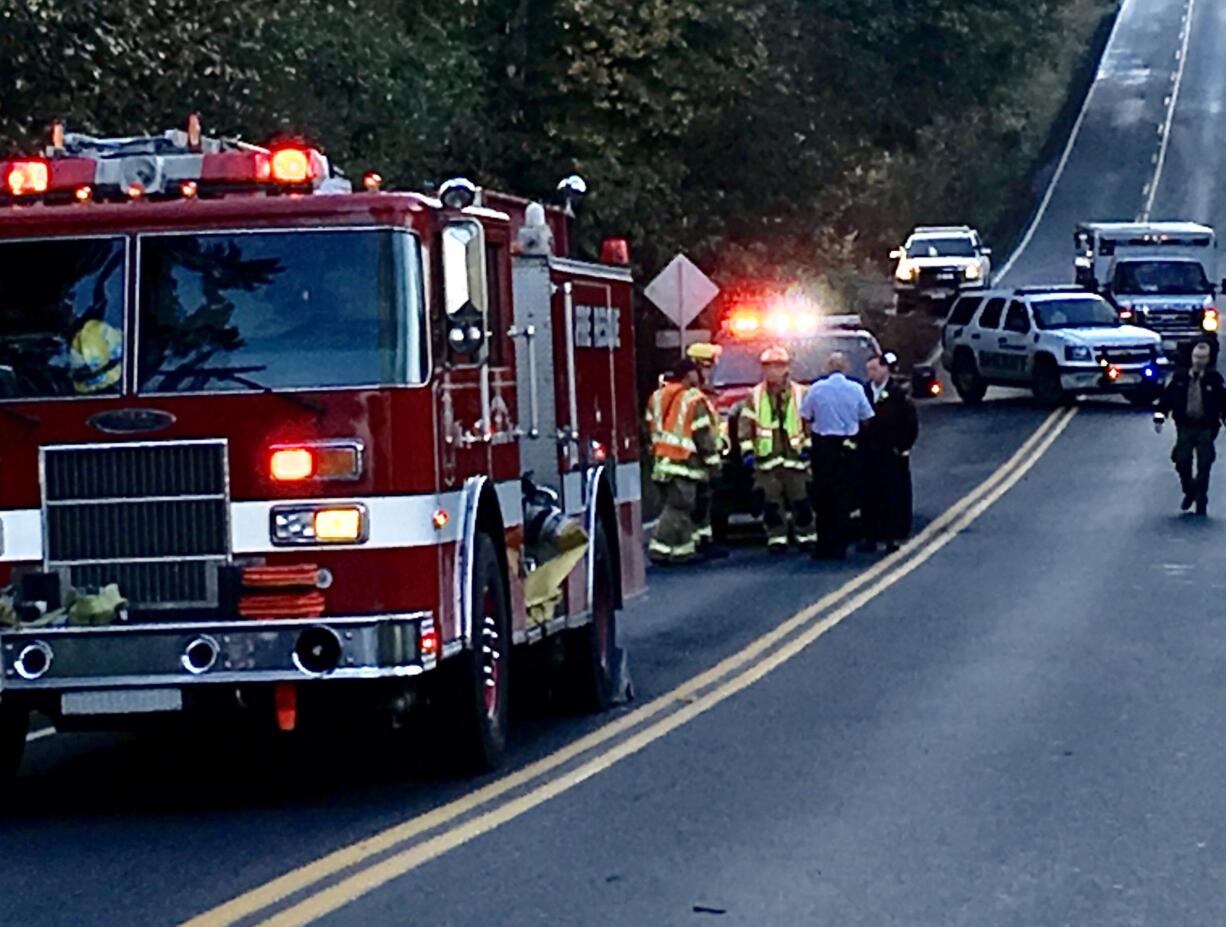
[244, 652]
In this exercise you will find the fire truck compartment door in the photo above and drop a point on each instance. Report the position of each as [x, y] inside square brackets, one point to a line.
[532, 294]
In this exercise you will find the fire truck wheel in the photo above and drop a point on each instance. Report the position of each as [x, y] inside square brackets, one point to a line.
[591, 653]
[481, 683]
[14, 726]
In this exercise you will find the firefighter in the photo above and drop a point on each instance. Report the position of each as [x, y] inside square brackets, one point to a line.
[775, 445]
[705, 355]
[681, 440]
[885, 454]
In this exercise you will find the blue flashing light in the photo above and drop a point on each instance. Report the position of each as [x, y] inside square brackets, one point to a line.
[1150, 373]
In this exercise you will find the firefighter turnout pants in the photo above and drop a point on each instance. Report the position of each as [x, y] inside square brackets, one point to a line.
[1194, 443]
[674, 538]
[786, 492]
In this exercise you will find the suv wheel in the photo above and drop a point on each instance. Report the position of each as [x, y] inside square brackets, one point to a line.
[1047, 387]
[967, 382]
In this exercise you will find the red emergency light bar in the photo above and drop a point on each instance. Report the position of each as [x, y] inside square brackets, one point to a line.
[784, 319]
[178, 164]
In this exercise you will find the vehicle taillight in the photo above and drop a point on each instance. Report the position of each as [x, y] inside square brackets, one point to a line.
[291, 165]
[291, 464]
[25, 178]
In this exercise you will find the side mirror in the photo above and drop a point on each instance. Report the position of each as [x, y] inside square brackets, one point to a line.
[465, 289]
[896, 254]
[986, 252]
[1223, 285]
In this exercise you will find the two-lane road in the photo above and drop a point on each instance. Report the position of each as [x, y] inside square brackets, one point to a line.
[1014, 722]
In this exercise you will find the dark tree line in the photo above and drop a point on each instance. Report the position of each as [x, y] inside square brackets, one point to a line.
[754, 134]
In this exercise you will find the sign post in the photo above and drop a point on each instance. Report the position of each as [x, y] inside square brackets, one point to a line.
[681, 291]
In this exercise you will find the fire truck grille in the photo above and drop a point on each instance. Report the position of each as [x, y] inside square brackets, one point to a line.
[153, 518]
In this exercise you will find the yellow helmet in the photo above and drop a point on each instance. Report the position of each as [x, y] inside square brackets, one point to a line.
[96, 357]
[703, 352]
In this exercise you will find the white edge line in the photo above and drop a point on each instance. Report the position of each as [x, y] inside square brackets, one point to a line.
[40, 735]
[1064, 158]
[1170, 113]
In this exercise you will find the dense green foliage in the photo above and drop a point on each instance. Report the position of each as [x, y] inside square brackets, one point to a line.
[752, 133]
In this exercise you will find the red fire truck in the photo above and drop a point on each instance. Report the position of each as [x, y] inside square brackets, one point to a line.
[276, 447]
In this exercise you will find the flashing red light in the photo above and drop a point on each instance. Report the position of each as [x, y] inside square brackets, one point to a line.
[1125, 314]
[599, 453]
[24, 178]
[292, 165]
[745, 322]
[934, 388]
[1113, 373]
[291, 464]
[428, 642]
[189, 189]
[440, 520]
[615, 251]
[84, 194]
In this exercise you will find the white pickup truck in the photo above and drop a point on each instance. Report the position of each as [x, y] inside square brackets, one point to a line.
[1060, 342]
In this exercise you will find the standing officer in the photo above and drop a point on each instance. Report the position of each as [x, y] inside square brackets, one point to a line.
[681, 440]
[885, 448]
[775, 444]
[1196, 399]
[834, 407]
[705, 355]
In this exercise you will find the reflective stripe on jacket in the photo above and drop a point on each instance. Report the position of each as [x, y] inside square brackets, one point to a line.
[674, 413]
[761, 424]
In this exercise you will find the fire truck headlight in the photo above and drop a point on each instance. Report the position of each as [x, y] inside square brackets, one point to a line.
[320, 524]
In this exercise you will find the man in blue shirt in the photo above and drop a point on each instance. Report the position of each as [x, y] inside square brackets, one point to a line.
[834, 407]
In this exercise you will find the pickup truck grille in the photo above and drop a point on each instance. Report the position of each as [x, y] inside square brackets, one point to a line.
[939, 276]
[1170, 320]
[1129, 355]
[153, 518]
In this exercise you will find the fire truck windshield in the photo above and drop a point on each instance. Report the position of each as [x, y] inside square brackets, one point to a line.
[61, 317]
[738, 363]
[293, 309]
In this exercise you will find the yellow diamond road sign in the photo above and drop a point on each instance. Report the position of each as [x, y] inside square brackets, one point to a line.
[681, 291]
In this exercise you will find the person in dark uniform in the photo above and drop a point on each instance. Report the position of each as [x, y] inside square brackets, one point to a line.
[886, 441]
[1196, 398]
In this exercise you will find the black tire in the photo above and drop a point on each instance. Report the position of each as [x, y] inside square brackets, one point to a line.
[1046, 386]
[968, 384]
[479, 713]
[14, 728]
[591, 651]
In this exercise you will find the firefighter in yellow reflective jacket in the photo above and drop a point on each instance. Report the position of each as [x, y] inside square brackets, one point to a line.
[705, 355]
[775, 444]
[681, 441]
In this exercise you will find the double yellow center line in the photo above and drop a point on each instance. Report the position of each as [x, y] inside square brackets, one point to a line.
[341, 877]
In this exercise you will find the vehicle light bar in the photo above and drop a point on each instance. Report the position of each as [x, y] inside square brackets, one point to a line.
[27, 178]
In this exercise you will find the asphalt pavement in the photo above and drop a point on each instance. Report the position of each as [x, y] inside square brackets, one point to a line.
[1014, 725]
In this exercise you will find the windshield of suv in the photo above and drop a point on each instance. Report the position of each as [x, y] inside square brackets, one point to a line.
[941, 247]
[61, 317]
[1075, 313]
[738, 364]
[279, 310]
[1157, 278]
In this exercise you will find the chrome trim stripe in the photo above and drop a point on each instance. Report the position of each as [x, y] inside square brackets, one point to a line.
[586, 269]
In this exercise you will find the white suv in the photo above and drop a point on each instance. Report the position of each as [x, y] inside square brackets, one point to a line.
[1058, 341]
[937, 263]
